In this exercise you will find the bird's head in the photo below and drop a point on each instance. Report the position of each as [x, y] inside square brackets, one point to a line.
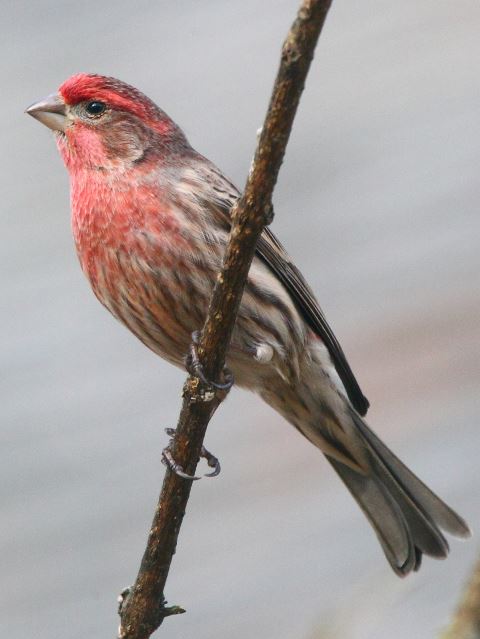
[104, 124]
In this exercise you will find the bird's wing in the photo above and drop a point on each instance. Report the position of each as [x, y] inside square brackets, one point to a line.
[223, 195]
[270, 250]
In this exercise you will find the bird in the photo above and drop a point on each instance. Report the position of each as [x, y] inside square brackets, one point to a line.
[151, 218]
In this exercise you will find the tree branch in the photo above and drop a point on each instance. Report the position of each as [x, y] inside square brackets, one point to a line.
[143, 609]
[466, 621]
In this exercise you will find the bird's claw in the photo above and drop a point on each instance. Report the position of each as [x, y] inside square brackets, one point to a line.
[169, 461]
[171, 464]
[212, 461]
[195, 367]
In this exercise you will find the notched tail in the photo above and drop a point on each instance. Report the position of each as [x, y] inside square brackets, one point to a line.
[406, 515]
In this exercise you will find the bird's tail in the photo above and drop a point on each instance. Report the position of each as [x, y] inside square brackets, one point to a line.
[406, 515]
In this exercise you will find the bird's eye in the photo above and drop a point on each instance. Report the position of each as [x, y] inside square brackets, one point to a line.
[95, 108]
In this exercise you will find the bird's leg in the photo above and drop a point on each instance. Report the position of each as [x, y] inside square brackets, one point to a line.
[169, 461]
[194, 367]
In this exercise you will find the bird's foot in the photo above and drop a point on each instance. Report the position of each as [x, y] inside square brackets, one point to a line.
[169, 461]
[194, 367]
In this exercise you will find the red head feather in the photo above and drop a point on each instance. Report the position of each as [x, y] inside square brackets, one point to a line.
[117, 95]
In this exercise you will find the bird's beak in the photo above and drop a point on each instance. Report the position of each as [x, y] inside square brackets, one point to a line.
[50, 112]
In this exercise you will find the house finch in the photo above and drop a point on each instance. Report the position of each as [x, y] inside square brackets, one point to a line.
[150, 219]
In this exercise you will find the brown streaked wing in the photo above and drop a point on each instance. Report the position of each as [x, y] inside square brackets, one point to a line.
[223, 195]
[274, 255]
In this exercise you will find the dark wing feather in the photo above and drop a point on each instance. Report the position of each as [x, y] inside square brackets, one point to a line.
[221, 197]
[274, 255]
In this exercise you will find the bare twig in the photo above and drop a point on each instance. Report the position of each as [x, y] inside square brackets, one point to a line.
[143, 609]
[466, 621]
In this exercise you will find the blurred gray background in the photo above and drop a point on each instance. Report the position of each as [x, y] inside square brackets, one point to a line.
[378, 203]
